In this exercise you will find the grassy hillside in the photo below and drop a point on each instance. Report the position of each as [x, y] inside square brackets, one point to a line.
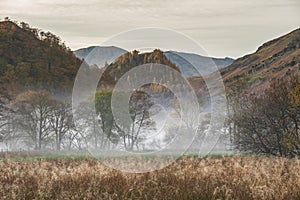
[276, 59]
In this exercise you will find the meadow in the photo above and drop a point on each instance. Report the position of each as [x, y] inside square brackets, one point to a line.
[190, 177]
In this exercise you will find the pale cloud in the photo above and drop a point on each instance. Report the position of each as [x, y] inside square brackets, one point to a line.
[224, 28]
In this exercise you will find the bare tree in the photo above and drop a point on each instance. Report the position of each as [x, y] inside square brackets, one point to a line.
[93, 130]
[60, 121]
[268, 123]
[33, 110]
[5, 113]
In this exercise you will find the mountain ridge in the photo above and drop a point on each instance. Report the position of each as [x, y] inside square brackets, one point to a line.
[189, 63]
[192, 64]
[99, 55]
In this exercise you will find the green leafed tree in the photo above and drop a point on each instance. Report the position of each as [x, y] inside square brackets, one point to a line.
[128, 133]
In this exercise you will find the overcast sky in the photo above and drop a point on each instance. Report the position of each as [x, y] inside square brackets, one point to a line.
[222, 27]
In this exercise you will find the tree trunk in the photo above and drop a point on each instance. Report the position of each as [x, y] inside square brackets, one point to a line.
[58, 141]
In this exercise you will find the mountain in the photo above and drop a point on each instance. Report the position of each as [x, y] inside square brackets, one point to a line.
[276, 59]
[31, 59]
[196, 65]
[99, 56]
[189, 64]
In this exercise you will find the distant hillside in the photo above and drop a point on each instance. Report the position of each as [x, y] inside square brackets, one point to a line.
[99, 55]
[33, 59]
[188, 63]
[278, 58]
[193, 64]
[130, 60]
[275, 59]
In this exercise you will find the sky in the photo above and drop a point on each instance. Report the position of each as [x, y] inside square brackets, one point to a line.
[223, 28]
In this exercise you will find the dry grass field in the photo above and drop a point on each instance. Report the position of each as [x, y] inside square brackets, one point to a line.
[222, 177]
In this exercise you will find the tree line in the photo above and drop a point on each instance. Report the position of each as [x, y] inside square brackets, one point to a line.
[261, 123]
[36, 120]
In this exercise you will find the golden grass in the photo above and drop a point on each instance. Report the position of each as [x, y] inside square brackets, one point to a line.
[189, 178]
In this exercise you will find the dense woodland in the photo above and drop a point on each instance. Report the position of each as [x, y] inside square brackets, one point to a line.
[33, 59]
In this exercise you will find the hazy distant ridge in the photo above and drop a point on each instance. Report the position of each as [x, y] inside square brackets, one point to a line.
[96, 55]
[189, 64]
